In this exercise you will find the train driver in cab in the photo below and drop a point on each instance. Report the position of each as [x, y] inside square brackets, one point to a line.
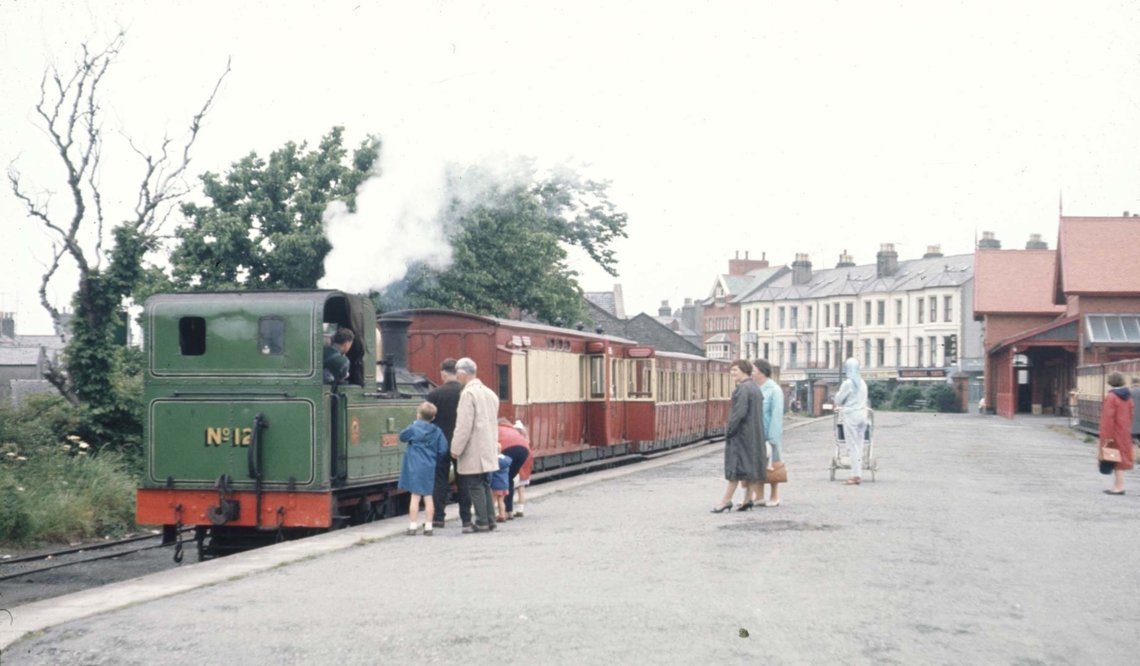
[336, 363]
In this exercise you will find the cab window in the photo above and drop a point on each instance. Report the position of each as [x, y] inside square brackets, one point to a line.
[192, 336]
[271, 336]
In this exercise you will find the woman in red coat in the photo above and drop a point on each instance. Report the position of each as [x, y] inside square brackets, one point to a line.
[1116, 425]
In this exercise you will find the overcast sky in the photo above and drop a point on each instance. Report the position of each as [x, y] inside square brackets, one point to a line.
[770, 127]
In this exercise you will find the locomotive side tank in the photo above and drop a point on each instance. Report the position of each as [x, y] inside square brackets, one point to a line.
[242, 436]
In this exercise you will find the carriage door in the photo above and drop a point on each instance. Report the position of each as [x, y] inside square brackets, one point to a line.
[619, 393]
[597, 402]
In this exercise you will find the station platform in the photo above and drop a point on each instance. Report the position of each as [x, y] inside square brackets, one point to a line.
[983, 540]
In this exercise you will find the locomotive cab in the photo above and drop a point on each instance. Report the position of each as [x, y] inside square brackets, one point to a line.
[241, 433]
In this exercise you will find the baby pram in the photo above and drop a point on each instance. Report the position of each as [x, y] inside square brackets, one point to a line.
[840, 460]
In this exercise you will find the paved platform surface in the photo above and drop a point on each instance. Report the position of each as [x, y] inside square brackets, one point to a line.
[983, 541]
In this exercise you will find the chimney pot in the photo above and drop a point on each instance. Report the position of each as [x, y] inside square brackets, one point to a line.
[886, 261]
[989, 241]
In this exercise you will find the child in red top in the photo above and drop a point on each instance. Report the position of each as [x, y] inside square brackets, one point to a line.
[515, 445]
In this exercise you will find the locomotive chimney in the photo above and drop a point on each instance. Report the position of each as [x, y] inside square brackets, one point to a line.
[394, 342]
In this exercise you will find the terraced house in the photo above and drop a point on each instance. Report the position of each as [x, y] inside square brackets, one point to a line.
[908, 320]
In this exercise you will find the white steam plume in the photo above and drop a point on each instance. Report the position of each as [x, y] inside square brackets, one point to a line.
[397, 222]
[405, 213]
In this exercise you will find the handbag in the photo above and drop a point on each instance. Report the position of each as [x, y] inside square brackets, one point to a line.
[778, 473]
[1108, 452]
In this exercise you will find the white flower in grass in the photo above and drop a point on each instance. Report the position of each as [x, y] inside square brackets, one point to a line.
[84, 445]
[20, 458]
[82, 453]
[74, 438]
[19, 489]
[10, 454]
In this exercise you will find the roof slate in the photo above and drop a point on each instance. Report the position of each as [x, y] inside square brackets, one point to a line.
[738, 287]
[648, 330]
[603, 299]
[912, 274]
[19, 355]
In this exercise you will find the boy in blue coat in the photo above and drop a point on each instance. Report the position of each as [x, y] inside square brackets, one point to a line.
[500, 486]
[426, 445]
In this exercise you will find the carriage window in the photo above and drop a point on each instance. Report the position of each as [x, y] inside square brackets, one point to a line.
[641, 379]
[192, 336]
[504, 382]
[271, 336]
[597, 377]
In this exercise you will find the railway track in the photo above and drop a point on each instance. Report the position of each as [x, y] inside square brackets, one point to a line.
[74, 555]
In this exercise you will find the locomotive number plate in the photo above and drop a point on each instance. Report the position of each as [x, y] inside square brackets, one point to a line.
[231, 436]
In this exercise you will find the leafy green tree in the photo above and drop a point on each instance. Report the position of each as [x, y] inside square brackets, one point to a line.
[508, 250]
[263, 229]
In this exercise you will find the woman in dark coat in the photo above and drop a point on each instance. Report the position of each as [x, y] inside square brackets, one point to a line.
[1116, 425]
[745, 458]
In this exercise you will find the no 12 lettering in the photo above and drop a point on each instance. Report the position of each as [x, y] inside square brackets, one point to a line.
[231, 436]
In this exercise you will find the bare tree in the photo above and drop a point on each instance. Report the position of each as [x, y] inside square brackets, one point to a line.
[68, 112]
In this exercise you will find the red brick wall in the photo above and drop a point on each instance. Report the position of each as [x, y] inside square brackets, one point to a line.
[1095, 304]
[1000, 327]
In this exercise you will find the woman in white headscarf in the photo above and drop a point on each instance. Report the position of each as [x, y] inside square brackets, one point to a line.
[851, 401]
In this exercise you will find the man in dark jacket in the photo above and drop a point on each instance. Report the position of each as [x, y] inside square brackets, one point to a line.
[337, 365]
[446, 401]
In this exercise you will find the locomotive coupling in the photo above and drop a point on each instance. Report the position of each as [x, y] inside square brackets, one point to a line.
[226, 509]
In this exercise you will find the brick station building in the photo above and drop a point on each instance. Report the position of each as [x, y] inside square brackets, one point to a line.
[1047, 312]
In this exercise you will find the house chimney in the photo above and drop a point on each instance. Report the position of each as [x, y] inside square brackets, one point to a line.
[988, 241]
[664, 310]
[801, 269]
[887, 260]
[8, 324]
[933, 252]
[1035, 243]
[619, 302]
[740, 266]
[845, 261]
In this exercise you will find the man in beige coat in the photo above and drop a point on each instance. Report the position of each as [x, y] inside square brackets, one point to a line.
[475, 444]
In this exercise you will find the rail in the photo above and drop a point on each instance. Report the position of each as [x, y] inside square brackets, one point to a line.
[105, 545]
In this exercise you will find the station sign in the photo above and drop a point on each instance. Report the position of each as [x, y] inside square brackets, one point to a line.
[921, 373]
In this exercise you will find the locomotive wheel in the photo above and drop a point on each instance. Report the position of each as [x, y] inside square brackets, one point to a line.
[363, 512]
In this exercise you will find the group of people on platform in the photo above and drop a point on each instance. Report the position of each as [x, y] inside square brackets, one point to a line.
[754, 433]
[458, 428]
[753, 436]
[755, 425]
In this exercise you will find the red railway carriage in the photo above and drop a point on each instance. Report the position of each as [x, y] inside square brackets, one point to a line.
[583, 396]
[689, 401]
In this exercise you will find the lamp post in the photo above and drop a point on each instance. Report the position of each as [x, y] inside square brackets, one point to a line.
[839, 354]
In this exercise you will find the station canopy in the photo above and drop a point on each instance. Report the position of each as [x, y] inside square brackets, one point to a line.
[1112, 329]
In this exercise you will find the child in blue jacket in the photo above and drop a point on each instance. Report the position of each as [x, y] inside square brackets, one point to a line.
[500, 486]
[426, 445]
